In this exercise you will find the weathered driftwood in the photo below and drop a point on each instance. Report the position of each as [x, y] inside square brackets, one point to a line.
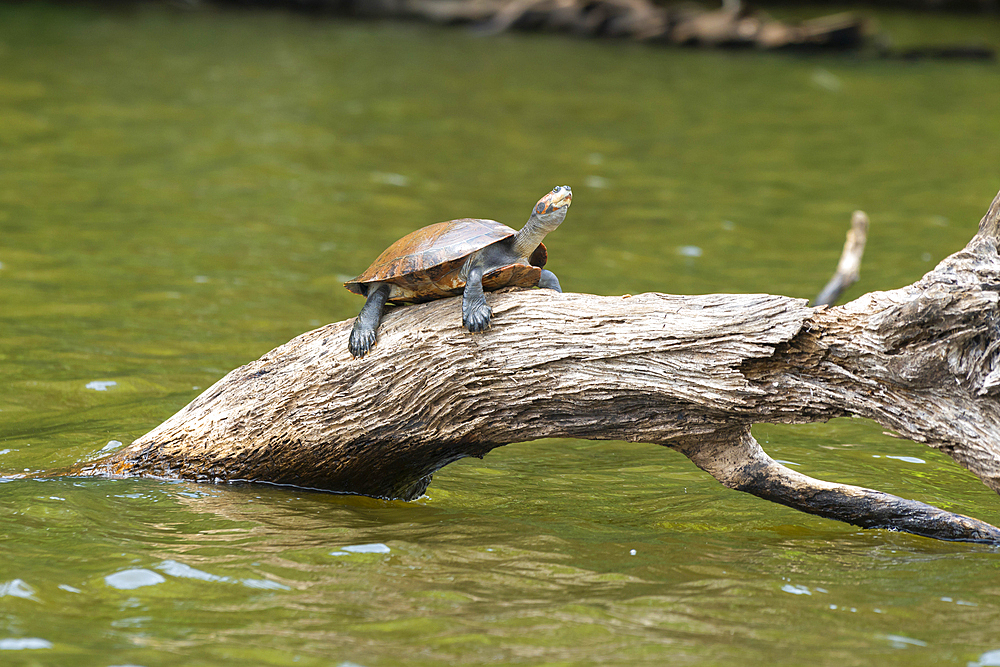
[734, 25]
[685, 24]
[689, 372]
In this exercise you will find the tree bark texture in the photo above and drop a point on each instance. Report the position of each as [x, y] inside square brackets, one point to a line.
[688, 372]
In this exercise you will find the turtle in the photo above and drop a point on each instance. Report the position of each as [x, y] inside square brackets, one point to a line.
[466, 256]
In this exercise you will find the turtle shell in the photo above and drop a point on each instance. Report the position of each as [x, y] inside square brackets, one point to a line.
[427, 264]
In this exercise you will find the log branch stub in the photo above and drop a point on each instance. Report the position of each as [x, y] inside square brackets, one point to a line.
[681, 371]
[989, 226]
[849, 267]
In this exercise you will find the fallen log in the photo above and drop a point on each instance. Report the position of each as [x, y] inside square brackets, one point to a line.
[692, 373]
[685, 24]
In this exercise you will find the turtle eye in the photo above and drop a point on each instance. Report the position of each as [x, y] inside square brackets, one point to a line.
[540, 207]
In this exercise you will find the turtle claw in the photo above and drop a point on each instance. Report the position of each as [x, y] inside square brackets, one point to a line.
[361, 342]
[478, 318]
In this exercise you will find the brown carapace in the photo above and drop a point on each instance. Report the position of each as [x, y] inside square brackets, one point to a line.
[468, 256]
[427, 264]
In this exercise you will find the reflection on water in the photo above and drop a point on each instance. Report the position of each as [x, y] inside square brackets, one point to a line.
[518, 559]
[182, 192]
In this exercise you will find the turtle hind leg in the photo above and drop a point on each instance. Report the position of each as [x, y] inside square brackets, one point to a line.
[549, 281]
[365, 325]
[476, 313]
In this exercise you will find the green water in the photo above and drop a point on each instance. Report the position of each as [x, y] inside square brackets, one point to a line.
[181, 192]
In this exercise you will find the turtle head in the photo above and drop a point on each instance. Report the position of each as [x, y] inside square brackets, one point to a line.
[556, 201]
[548, 214]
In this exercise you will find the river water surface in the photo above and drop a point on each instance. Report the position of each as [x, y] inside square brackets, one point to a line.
[181, 192]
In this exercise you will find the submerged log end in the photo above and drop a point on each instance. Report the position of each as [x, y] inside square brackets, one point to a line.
[736, 460]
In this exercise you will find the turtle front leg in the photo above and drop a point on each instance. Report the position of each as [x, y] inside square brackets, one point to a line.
[476, 313]
[549, 281]
[363, 333]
